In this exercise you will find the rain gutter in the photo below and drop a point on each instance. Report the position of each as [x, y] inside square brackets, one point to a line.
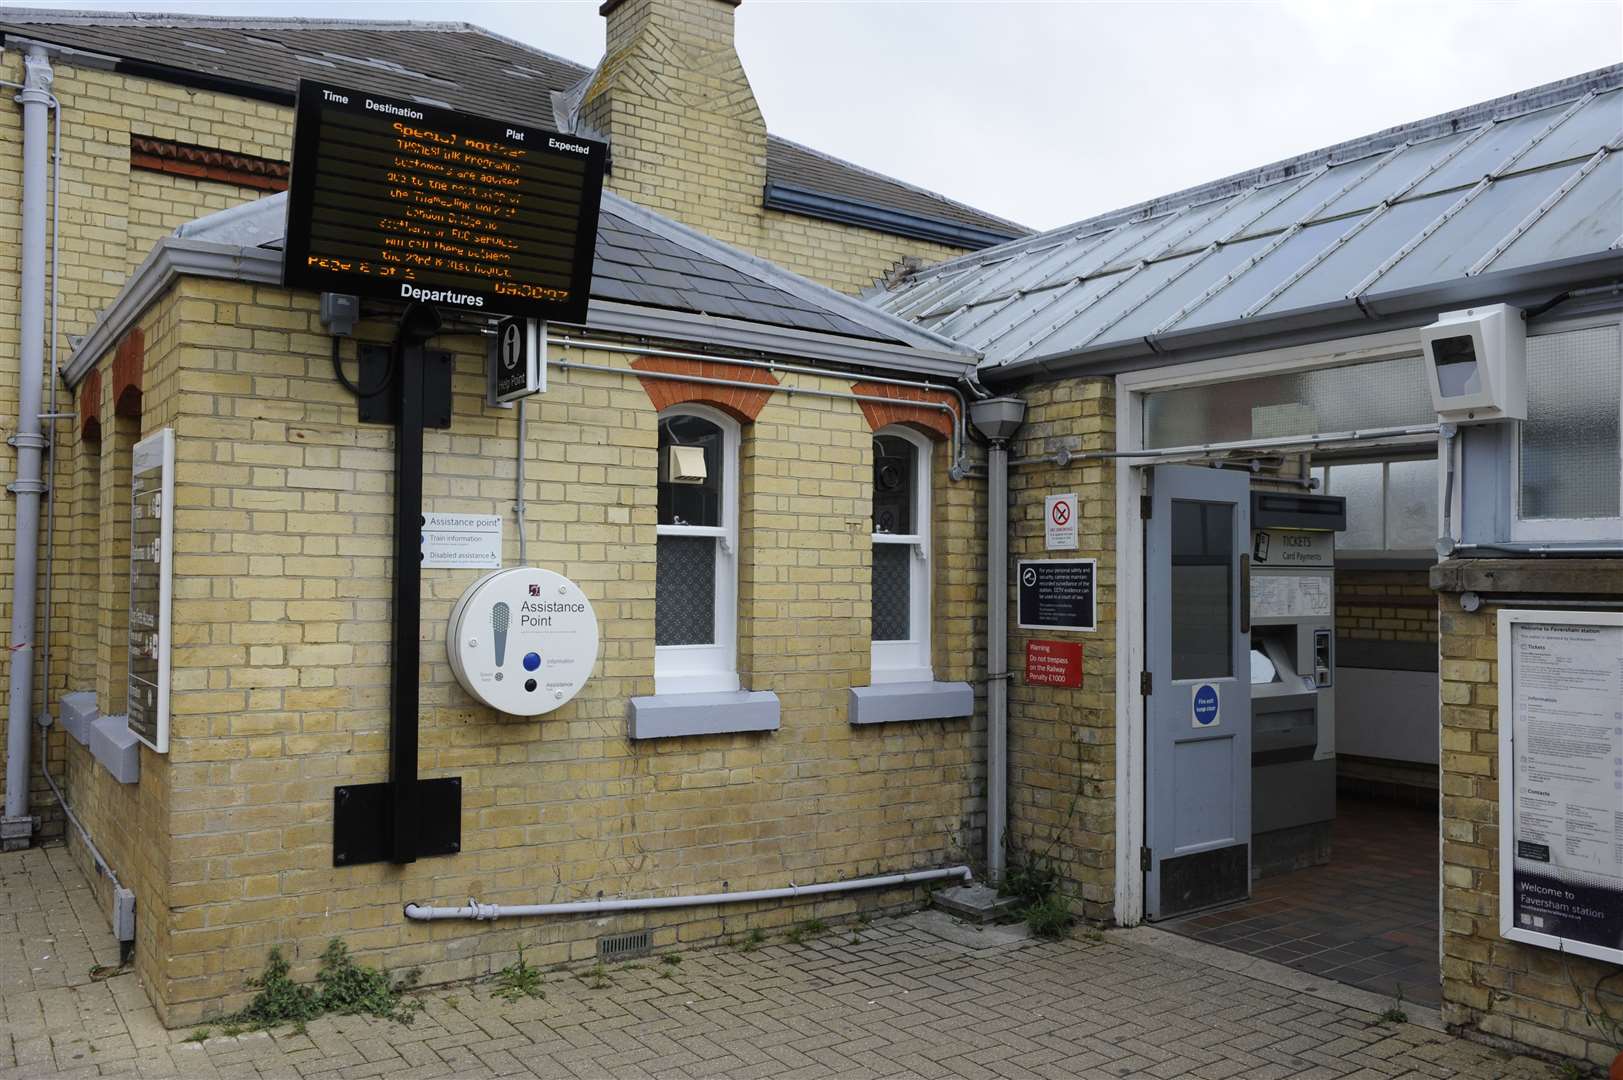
[825, 207]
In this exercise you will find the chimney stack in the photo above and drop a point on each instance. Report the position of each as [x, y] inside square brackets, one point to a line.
[672, 97]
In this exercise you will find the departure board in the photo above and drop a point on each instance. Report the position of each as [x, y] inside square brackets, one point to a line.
[394, 199]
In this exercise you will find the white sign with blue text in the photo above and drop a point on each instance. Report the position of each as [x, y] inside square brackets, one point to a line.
[1206, 706]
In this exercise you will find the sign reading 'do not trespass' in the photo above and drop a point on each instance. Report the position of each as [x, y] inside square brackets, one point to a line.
[396, 199]
[1056, 594]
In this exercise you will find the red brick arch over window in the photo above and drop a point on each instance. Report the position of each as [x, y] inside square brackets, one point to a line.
[738, 402]
[933, 422]
[129, 360]
[90, 406]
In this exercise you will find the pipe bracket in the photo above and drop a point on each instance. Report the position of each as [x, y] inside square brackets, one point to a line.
[27, 440]
[27, 487]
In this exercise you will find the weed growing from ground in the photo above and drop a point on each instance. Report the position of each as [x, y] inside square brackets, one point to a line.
[752, 941]
[519, 980]
[200, 1035]
[342, 986]
[671, 959]
[1033, 881]
[1394, 1013]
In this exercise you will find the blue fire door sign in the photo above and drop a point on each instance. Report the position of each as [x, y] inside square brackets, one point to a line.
[1207, 712]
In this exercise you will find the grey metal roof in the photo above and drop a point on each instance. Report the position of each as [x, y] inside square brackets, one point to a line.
[440, 63]
[1523, 189]
[648, 260]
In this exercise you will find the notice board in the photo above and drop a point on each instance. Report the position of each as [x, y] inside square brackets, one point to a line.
[394, 199]
[1056, 594]
[152, 543]
[1561, 780]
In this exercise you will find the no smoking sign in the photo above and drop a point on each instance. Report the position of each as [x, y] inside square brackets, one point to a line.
[1059, 522]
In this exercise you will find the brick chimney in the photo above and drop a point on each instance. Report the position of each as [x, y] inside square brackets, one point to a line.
[673, 99]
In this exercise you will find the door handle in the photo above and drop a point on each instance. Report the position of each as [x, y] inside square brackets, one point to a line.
[1245, 594]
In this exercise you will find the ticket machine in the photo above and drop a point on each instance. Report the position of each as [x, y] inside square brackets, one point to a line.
[1293, 764]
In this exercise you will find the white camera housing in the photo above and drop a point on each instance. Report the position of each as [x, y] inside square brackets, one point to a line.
[1476, 363]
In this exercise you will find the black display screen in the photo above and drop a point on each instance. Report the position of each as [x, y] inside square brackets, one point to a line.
[390, 198]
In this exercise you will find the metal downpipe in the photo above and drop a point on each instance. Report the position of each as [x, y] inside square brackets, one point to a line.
[997, 419]
[16, 828]
[997, 655]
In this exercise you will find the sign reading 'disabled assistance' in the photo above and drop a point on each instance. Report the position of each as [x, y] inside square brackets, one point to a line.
[395, 199]
[452, 541]
[152, 542]
[1054, 663]
[1056, 594]
[1561, 780]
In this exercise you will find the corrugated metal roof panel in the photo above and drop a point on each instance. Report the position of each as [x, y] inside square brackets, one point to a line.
[1525, 181]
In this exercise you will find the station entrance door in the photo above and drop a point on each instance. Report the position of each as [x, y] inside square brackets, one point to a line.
[1197, 710]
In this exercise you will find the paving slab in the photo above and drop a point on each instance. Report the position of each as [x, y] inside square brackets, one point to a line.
[922, 995]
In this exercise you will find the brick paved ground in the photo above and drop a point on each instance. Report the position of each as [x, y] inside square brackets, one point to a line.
[891, 999]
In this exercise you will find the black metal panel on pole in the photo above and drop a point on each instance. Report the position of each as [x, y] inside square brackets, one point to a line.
[408, 596]
[405, 817]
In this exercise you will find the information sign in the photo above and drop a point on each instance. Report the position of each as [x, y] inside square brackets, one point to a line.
[1561, 780]
[1054, 663]
[152, 541]
[392, 198]
[462, 540]
[523, 640]
[1059, 522]
[1056, 594]
[518, 359]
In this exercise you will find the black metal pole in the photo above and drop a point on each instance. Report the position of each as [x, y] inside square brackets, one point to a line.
[408, 590]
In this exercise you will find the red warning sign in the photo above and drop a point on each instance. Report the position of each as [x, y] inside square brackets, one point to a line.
[1054, 663]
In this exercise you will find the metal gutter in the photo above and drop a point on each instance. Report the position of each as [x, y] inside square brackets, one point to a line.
[816, 204]
[170, 258]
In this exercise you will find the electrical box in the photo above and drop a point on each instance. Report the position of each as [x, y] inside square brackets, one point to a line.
[523, 640]
[1476, 363]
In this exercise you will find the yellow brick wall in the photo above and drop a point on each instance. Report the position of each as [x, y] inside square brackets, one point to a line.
[91, 593]
[112, 215]
[283, 534]
[1504, 989]
[1385, 605]
[1062, 743]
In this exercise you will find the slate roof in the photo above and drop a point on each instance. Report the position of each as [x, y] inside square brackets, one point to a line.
[649, 260]
[1521, 192]
[449, 64]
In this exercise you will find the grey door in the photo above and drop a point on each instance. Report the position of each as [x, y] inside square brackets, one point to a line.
[1197, 713]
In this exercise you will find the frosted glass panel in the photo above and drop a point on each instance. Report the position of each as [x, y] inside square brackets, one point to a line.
[1569, 441]
[1360, 485]
[1387, 393]
[892, 591]
[1412, 521]
[685, 591]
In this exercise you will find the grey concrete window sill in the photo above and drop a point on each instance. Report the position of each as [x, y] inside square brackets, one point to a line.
[889, 703]
[115, 746]
[77, 712]
[664, 716]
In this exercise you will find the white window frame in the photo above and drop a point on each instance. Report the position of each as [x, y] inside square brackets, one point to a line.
[1564, 530]
[713, 668]
[908, 659]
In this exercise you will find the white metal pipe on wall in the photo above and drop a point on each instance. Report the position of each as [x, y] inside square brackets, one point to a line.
[35, 99]
[997, 655]
[475, 910]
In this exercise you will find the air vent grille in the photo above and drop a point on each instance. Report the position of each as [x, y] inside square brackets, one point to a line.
[623, 946]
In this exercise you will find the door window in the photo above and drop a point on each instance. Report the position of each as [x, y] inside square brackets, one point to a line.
[1202, 590]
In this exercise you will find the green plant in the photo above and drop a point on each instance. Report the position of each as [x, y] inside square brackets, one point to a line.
[752, 940]
[342, 986]
[1050, 917]
[1571, 1070]
[200, 1035]
[670, 958]
[519, 980]
[1394, 1013]
[230, 1030]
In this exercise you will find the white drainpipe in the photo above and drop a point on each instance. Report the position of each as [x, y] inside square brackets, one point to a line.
[16, 827]
[475, 910]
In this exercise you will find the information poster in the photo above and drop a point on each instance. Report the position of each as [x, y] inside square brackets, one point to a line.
[1291, 596]
[1056, 594]
[152, 531]
[1561, 780]
[459, 541]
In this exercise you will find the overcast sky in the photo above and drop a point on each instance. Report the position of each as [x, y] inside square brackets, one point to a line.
[1046, 113]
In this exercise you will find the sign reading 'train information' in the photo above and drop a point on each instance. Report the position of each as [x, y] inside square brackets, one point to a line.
[391, 198]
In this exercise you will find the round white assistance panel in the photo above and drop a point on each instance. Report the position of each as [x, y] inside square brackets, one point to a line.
[523, 641]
